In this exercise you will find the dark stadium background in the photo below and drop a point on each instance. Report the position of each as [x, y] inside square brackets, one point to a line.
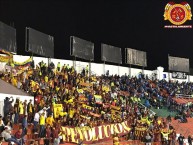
[126, 23]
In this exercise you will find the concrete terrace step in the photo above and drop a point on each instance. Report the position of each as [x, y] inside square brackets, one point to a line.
[183, 128]
[8, 88]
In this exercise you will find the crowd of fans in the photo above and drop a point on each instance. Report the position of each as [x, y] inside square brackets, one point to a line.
[87, 101]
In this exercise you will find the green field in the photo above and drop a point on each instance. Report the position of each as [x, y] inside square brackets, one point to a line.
[164, 112]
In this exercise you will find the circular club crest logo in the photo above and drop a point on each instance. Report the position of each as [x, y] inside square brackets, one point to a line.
[177, 14]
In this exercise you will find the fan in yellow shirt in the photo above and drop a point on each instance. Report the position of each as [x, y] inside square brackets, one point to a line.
[57, 88]
[70, 101]
[42, 125]
[165, 135]
[50, 120]
[71, 113]
[51, 83]
[21, 108]
[149, 121]
[115, 139]
[14, 81]
[42, 119]
[46, 79]
[32, 83]
[159, 122]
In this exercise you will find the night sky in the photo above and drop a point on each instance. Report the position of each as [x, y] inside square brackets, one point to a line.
[136, 24]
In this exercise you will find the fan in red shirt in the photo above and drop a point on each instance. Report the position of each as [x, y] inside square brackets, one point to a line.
[38, 98]
[18, 136]
[55, 134]
[48, 135]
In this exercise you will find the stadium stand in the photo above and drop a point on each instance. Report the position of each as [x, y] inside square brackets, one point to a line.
[67, 102]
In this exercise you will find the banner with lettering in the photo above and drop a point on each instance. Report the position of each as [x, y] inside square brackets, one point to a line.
[94, 134]
[89, 110]
[58, 109]
[139, 132]
[87, 107]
